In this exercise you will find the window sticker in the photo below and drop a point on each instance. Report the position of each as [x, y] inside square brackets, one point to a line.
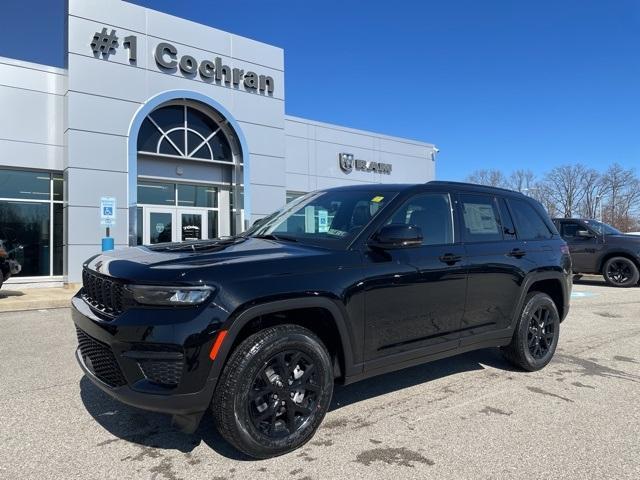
[377, 199]
[480, 219]
[323, 221]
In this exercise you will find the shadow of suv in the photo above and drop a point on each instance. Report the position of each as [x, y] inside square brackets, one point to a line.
[598, 248]
[339, 285]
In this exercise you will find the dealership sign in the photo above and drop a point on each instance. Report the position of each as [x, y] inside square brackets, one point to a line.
[168, 59]
[348, 163]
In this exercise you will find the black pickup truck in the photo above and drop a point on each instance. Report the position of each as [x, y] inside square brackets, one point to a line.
[598, 248]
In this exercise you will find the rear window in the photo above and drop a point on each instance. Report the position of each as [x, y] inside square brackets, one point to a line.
[529, 223]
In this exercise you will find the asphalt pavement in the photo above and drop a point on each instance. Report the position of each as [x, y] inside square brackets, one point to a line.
[467, 417]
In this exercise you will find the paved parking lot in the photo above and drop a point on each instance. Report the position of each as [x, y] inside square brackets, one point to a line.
[470, 417]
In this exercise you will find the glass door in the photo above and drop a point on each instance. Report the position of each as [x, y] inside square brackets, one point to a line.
[192, 225]
[159, 225]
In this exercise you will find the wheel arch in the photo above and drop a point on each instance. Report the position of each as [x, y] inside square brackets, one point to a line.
[551, 283]
[324, 318]
[617, 253]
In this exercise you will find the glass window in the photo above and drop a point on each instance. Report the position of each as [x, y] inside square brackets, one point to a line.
[330, 218]
[58, 238]
[139, 223]
[156, 193]
[432, 213]
[529, 224]
[197, 196]
[160, 227]
[481, 218]
[212, 223]
[570, 229]
[25, 229]
[58, 187]
[21, 184]
[602, 228]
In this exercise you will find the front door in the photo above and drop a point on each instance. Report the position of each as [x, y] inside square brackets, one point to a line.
[178, 224]
[583, 249]
[415, 296]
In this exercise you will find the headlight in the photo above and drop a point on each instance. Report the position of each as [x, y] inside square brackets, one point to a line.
[156, 295]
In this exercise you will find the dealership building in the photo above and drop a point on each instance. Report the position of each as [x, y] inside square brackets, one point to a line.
[162, 129]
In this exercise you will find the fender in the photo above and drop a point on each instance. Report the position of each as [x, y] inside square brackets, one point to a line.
[238, 320]
[536, 277]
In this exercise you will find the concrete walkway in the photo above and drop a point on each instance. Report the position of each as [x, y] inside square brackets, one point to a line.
[15, 297]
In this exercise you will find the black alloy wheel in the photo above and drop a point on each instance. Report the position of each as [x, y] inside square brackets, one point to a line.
[541, 332]
[284, 394]
[274, 391]
[536, 334]
[620, 272]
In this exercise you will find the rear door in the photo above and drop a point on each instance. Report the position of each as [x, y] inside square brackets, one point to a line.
[497, 263]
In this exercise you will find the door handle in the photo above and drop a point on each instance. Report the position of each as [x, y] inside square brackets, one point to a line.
[450, 258]
[517, 253]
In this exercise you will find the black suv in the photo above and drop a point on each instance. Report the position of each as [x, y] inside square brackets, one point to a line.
[598, 248]
[339, 285]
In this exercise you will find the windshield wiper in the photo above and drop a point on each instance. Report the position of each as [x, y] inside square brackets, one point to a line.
[198, 245]
[271, 236]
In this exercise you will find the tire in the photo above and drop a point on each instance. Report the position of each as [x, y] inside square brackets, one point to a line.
[253, 407]
[532, 347]
[620, 272]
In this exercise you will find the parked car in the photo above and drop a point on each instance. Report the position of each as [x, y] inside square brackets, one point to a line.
[339, 285]
[8, 266]
[598, 248]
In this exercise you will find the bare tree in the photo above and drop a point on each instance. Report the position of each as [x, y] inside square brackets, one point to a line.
[492, 178]
[566, 187]
[541, 191]
[595, 191]
[521, 180]
[624, 193]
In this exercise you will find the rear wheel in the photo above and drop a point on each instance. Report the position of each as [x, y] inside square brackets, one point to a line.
[620, 272]
[536, 336]
[274, 391]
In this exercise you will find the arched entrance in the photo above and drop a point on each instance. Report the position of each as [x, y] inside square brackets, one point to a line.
[188, 169]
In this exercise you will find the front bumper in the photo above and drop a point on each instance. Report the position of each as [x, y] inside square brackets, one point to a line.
[121, 356]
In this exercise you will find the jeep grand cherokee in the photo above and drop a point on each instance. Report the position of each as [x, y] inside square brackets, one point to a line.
[339, 285]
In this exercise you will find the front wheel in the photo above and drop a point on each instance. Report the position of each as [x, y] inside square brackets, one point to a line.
[620, 272]
[274, 391]
[536, 335]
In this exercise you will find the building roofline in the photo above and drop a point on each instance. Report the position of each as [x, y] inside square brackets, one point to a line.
[14, 62]
[368, 133]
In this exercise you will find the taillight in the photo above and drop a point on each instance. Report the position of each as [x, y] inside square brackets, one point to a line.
[3, 253]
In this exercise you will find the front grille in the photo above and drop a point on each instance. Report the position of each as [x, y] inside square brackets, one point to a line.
[99, 358]
[163, 372]
[102, 293]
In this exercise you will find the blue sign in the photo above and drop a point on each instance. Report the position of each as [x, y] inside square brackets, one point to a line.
[108, 211]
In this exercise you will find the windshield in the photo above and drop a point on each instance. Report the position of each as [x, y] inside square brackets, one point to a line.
[602, 228]
[329, 219]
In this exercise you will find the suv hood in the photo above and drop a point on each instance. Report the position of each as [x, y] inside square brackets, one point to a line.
[187, 262]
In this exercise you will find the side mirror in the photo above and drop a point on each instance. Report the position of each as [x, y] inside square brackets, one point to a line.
[397, 235]
[584, 234]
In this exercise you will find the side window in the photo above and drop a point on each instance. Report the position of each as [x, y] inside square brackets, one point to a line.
[432, 213]
[529, 225]
[508, 230]
[570, 229]
[480, 218]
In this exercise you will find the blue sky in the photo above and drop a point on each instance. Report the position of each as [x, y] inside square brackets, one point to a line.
[494, 84]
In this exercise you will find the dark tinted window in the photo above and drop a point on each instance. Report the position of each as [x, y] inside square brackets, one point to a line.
[432, 213]
[529, 224]
[570, 229]
[480, 218]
